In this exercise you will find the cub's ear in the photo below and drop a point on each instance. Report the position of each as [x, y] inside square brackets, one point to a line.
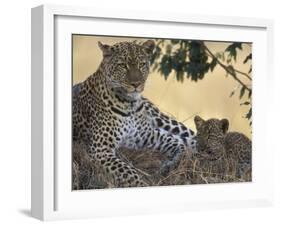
[106, 49]
[198, 121]
[224, 125]
[149, 46]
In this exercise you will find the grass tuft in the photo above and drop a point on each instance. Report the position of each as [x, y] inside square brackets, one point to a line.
[87, 174]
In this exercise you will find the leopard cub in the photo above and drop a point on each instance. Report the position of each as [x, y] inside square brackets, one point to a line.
[215, 142]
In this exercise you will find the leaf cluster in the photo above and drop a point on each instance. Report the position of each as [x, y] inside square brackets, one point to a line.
[191, 59]
[187, 60]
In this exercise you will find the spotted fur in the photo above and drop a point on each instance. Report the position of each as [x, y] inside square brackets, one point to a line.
[214, 142]
[109, 113]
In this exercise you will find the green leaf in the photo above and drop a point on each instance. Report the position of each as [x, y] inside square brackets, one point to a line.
[232, 93]
[156, 54]
[250, 94]
[245, 103]
[249, 114]
[250, 70]
[166, 65]
[230, 70]
[242, 92]
[249, 57]
[231, 49]
[179, 76]
[213, 64]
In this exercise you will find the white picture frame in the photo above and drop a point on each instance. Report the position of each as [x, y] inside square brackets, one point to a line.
[52, 197]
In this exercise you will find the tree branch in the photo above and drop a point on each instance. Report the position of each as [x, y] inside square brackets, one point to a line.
[227, 69]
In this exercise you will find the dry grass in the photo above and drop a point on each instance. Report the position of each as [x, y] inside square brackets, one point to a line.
[87, 174]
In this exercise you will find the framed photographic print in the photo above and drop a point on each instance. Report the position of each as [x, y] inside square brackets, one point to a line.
[148, 112]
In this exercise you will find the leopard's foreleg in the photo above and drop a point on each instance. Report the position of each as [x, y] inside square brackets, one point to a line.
[118, 172]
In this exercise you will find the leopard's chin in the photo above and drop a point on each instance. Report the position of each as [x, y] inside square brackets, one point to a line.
[134, 95]
[130, 95]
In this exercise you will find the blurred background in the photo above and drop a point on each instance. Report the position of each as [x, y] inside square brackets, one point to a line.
[188, 78]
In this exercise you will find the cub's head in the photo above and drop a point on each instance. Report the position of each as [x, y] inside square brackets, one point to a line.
[126, 66]
[210, 137]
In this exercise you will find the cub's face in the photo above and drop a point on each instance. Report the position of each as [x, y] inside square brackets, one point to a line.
[126, 66]
[210, 137]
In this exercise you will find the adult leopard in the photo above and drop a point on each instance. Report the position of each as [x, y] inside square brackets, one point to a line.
[109, 113]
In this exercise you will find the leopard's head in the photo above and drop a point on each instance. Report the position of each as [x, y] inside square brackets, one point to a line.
[210, 137]
[126, 66]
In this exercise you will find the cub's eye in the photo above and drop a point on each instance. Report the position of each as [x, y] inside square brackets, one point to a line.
[122, 65]
[142, 64]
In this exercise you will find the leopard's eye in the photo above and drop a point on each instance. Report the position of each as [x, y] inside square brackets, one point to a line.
[122, 65]
[142, 64]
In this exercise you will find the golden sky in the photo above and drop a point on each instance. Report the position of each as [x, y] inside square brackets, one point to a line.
[208, 98]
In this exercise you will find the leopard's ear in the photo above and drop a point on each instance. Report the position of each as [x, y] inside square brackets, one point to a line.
[198, 121]
[224, 125]
[149, 46]
[106, 49]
